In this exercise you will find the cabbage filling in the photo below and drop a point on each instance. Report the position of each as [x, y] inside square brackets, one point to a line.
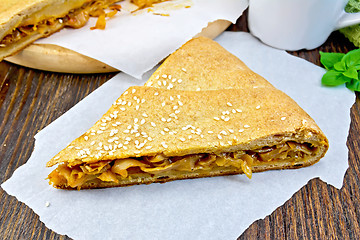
[75, 19]
[161, 166]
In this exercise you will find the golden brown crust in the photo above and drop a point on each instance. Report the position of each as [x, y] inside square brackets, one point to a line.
[240, 111]
[202, 64]
[209, 121]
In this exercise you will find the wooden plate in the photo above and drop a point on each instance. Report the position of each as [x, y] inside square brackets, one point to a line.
[54, 58]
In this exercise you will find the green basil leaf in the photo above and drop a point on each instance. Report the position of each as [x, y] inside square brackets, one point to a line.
[329, 59]
[351, 73]
[340, 66]
[334, 78]
[352, 58]
[353, 85]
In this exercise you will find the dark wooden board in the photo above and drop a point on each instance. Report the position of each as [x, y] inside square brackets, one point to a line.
[31, 99]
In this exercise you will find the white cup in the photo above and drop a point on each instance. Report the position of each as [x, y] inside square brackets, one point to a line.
[297, 24]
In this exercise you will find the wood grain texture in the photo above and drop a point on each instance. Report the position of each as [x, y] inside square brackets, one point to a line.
[31, 99]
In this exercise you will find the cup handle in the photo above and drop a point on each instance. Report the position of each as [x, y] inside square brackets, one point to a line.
[348, 19]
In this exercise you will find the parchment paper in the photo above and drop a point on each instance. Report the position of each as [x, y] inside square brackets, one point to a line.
[208, 208]
[135, 43]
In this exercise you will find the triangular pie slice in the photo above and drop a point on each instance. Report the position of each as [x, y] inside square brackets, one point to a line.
[238, 123]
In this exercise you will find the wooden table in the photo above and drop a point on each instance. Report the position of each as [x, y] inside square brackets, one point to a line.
[31, 99]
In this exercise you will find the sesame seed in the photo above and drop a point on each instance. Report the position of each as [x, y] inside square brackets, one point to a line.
[164, 82]
[168, 120]
[143, 100]
[99, 132]
[216, 118]
[163, 119]
[47, 204]
[148, 147]
[230, 130]
[144, 115]
[246, 126]
[126, 92]
[283, 118]
[233, 111]
[226, 119]
[182, 139]
[86, 138]
[153, 124]
[133, 91]
[238, 110]
[180, 103]
[219, 136]
[183, 69]
[137, 107]
[177, 111]
[156, 93]
[56, 158]
[142, 121]
[223, 132]
[166, 129]
[106, 148]
[180, 80]
[163, 104]
[162, 132]
[157, 77]
[149, 138]
[164, 144]
[128, 139]
[175, 107]
[122, 109]
[229, 104]
[241, 130]
[125, 147]
[210, 132]
[136, 120]
[258, 107]
[164, 76]
[198, 89]
[169, 77]
[126, 131]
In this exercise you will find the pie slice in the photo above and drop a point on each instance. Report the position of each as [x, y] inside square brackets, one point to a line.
[194, 118]
[24, 21]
